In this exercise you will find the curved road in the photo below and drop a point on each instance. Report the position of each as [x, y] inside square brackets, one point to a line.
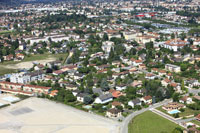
[124, 126]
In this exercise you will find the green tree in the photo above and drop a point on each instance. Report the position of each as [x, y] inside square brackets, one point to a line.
[88, 100]
[176, 97]
[104, 85]
[184, 67]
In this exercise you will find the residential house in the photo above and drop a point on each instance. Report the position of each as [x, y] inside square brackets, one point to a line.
[197, 97]
[141, 91]
[105, 98]
[121, 87]
[150, 76]
[115, 93]
[136, 83]
[186, 99]
[80, 97]
[134, 102]
[97, 91]
[173, 106]
[107, 46]
[70, 87]
[165, 82]
[172, 68]
[116, 103]
[146, 99]
[198, 117]
[113, 112]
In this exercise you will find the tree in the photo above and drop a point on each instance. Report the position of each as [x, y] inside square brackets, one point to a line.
[104, 85]
[105, 37]
[176, 97]
[177, 130]
[149, 45]
[119, 107]
[184, 67]
[172, 36]
[88, 99]
[133, 51]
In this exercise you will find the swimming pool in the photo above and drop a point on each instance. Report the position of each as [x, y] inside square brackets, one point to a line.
[173, 111]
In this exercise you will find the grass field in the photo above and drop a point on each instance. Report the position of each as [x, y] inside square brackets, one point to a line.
[196, 122]
[5, 32]
[148, 122]
[4, 70]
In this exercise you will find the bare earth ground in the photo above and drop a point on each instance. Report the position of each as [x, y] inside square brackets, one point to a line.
[28, 64]
[36, 115]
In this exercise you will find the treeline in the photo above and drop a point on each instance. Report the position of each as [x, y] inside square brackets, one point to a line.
[188, 14]
[63, 17]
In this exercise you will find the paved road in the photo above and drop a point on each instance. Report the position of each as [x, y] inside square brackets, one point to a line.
[124, 126]
[194, 91]
[69, 56]
[185, 120]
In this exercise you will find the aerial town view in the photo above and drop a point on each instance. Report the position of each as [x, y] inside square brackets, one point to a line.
[99, 66]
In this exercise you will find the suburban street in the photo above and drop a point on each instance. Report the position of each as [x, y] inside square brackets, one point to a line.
[194, 91]
[124, 126]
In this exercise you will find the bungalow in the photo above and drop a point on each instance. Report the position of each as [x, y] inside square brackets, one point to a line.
[115, 104]
[136, 83]
[150, 76]
[165, 82]
[70, 87]
[107, 46]
[19, 56]
[186, 99]
[38, 67]
[198, 117]
[58, 72]
[76, 92]
[80, 97]
[162, 72]
[121, 87]
[115, 93]
[78, 76]
[105, 98]
[176, 87]
[113, 112]
[142, 66]
[193, 82]
[197, 97]
[141, 91]
[8, 57]
[134, 102]
[173, 105]
[53, 93]
[137, 62]
[97, 91]
[172, 68]
[146, 99]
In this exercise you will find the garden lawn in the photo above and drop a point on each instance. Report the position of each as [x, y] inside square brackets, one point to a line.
[6, 70]
[196, 122]
[149, 122]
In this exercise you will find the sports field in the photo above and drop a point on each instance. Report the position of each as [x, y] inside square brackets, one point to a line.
[149, 122]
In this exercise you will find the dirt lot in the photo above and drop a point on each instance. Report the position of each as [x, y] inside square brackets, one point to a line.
[28, 64]
[36, 115]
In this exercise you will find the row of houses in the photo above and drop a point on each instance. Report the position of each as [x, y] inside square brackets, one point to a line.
[17, 88]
